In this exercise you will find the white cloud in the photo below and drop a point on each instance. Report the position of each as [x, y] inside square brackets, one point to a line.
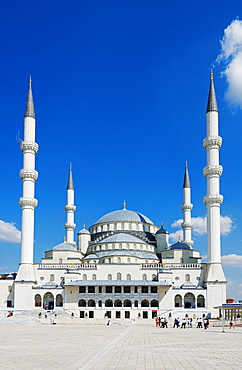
[232, 260]
[200, 226]
[231, 55]
[9, 233]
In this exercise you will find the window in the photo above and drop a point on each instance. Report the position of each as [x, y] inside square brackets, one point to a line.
[109, 277]
[144, 303]
[82, 289]
[135, 303]
[115, 226]
[99, 303]
[127, 246]
[129, 260]
[128, 277]
[135, 246]
[144, 289]
[122, 226]
[91, 303]
[120, 246]
[119, 276]
[9, 304]
[108, 303]
[153, 289]
[60, 260]
[144, 277]
[118, 289]
[52, 277]
[82, 314]
[117, 303]
[154, 277]
[91, 314]
[127, 314]
[119, 260]
[154, 303]
[136, 289]
[109, 289]
[91, 289]
[108, 314]
[118, 314]
[127, 289]
[106, 246]
[82, 303]
[94, 277]
[154, 314]
[84, 277]
[130, 226]
[127, 303]
[100, 289]
[187, 277]
[109, 260]
[9, 289]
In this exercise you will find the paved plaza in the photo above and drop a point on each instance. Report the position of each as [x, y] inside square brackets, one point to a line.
[99, 347]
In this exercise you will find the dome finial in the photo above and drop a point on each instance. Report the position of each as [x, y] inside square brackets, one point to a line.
[179, 239]
[124, 204]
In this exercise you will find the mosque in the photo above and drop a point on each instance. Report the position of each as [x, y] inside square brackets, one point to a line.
[123, 267]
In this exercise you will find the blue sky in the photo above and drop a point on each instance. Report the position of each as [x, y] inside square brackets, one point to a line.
[120, 90]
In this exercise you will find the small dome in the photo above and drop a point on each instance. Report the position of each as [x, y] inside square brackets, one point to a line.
[121, 238]
[162, 231]
[124, 215]
[84, 231]
[64, 247]
[179, 245]
[188, 285]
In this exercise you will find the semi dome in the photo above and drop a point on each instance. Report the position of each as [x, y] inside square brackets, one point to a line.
[124, 215]
[179, 245]
[64, 247]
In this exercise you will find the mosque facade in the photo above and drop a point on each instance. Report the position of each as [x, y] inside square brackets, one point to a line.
[123, 267]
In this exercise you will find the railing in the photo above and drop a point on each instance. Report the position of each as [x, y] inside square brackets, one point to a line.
[64, 266]
[171, 265]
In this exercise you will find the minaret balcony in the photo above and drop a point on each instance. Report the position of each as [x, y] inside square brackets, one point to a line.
[29, 147]
[69, 208]
[210, 200]
[212, 142]
[187, 225]
[70, 226]
[26, 174]
[213, 171]
[28, 202]
[186, 206]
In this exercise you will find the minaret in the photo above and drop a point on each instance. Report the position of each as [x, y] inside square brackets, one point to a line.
[187, 209]
[213, 199]
[28, 202]
[70, 209]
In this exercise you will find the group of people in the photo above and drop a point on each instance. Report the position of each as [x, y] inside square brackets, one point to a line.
[162, 322]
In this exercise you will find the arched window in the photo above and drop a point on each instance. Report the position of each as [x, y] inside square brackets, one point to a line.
[117, 303]
[9, 289]
[108, 303]
[48, 301]
[109, 260]
[59, 300]
[135, 247]
[115, 226]
[122, 226]
[52, 277]
[154, 277]
[94, 277]
[141, 247]
[154, 303]
[109, 277]
[127, 303]
[120, 246]
[187, 277]
[119, 276]
[127, 246]
[84, 277]
[189, 300]
[82, 303]
[106, 246]
[144, 303]
[99, 303]
[128, 260]
[178, 301]
[119, 260]
[60, 260]
[128, 277]
[200, 301]
[144, 277]
[146, 261]
[130, 226]
[91, 303]
[107, 227]
[113, 246]
[37, 300]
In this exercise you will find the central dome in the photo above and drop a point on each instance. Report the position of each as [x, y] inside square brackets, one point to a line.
[124, 215]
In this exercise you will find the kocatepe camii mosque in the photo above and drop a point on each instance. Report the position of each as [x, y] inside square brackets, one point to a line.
[123, 267]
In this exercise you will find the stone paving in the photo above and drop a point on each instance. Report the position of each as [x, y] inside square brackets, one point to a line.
[83, 347]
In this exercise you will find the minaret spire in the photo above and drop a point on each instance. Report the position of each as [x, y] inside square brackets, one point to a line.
[187, 208]
[29, 110]
[70, 209]
[212, 101]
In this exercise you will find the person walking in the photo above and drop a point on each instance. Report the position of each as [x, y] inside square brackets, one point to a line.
[183, 325]
[231, 325]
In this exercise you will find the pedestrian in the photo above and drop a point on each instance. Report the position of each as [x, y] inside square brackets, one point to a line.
[162, 323]
[156, 322]
[205, 323]
[178, 322]
[231, 325]
[159, 320]
[165, 323]
[183, 325]
[190, 323]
